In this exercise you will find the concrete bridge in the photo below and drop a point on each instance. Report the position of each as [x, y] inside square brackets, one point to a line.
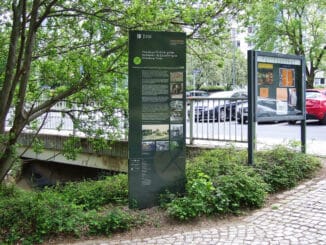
[50, 166]
[115, 158]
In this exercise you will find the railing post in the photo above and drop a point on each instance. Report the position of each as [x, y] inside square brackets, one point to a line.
[191, 121]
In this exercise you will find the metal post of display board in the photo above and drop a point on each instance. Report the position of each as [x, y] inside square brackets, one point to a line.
[251, 107]
[191, 122]
[303, 122]
[303, 136]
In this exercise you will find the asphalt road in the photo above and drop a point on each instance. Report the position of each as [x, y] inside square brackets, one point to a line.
[314, 131]
[266, 134]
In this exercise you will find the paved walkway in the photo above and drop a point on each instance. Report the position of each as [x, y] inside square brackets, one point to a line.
[298, 218]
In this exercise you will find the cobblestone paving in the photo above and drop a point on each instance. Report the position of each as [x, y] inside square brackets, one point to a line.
[299, 218]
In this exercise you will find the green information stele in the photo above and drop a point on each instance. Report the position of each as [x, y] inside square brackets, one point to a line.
[157, 72]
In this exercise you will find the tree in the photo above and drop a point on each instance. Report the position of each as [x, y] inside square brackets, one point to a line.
[239, 63]
[215, 63]
[76, 51]
[296, 27]
[204, 61]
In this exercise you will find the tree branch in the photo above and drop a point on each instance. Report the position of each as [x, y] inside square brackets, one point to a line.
[35, 134]
[46, 12]
[10, 64]
[19, 60]
[29, 46]
[320, 57]
[45, 106]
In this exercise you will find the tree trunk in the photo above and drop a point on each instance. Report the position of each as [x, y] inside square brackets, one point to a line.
[310, 80]
[8, 154]
[7, 162]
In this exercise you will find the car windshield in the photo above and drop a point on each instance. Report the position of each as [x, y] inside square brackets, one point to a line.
[313, 95]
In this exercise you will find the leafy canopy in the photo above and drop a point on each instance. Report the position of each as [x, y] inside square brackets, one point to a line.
[296, 27]
[76, 51]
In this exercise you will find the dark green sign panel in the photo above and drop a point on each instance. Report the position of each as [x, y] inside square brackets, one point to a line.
[157, 64]
[276, 89]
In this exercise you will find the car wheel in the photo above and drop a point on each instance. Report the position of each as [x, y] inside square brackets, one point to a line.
[292, 122]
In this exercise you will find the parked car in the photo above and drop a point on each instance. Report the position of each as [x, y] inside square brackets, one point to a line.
[266, 107]
[316, 105]
[220, 106]
[196, 93]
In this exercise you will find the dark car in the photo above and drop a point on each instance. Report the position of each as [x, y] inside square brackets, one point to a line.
[220, 106]
[196, 93]
[316, 105]
[267, 108]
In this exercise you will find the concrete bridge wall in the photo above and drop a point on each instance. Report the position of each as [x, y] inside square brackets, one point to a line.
[115, 158]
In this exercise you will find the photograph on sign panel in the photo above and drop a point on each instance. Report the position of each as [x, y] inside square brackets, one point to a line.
[282, 94]
[148, 145]
[265, 74]
[264, 92]
[155, 132]
[287, 77]
[176, 90]
[176, 105]
[176, 116]
[176, 76]
[176, 111]
[293, 97]
[176, 131]
[281, 108]
[162, 145]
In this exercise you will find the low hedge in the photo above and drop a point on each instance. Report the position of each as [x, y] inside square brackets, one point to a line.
[93, 194]
[74, 209]
[283, 168]
[28, 217]
[219, 181]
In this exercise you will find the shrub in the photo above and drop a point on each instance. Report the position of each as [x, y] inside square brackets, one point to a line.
[218, 182]
[113, 221]
[202, 198]
[244, 189]
[30, 216]
[216, 162]
[213, 88]
[282, 168]
[94, 194]
[7, 191]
